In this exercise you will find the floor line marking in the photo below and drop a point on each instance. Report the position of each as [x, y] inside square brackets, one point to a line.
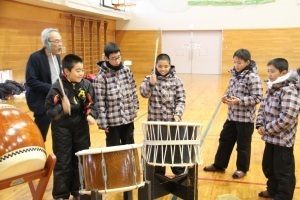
[232, 181]
[210, 122]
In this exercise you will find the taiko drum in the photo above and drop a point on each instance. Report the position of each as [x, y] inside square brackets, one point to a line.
[22, 148]
[175, 144]
[110, 167]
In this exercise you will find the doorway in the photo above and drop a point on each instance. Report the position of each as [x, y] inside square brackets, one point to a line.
[194, 52]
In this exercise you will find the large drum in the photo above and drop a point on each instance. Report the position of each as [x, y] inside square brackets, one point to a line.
[22, 148]
[175, 144]
[110, 169]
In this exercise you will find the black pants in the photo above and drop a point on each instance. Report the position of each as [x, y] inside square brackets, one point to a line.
[162, 170]
[120, 135]
[43, 123]
[68, 138]
[279, 168]
[241, 134]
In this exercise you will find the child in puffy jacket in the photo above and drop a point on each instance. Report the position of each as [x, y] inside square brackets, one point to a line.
[277, 122]
[70, 118]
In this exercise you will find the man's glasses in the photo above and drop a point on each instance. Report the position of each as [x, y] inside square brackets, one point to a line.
[115, 58]
[57, 41]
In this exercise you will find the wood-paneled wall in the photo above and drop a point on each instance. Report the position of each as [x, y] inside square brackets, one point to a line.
[20, 33]
[21, 25]
[264, 45]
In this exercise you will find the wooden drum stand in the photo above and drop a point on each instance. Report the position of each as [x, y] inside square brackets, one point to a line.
[184, 186]
[37, 191]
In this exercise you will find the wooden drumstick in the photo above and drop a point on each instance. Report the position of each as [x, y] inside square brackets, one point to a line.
[156, 48]
[155, 55]
[65, 99]
[60, 82]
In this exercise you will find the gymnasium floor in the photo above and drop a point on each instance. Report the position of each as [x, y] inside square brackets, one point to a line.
[202, 106]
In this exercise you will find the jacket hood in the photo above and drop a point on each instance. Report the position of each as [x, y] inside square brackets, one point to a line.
[291, 77]
[252, 67]
[106, 66]
[100, 63]
[279, 85]
[295, 76]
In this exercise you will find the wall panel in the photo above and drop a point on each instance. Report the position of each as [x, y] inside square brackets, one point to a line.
[20, 29]
[21, 25]
[264, 45]
[139, 47]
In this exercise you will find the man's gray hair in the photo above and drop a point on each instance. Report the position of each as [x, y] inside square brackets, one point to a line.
[46, 34]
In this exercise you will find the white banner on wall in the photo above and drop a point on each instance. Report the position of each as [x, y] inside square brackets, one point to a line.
[227, 2]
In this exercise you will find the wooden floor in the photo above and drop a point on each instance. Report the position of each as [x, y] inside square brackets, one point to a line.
[203, 106]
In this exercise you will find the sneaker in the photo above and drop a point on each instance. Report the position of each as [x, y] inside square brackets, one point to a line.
[238, 174]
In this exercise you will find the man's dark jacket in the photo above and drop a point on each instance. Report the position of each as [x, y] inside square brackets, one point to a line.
[38, 80]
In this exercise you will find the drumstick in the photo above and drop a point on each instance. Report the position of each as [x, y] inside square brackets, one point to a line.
[156, 47]
[59, 79]
[66, 110]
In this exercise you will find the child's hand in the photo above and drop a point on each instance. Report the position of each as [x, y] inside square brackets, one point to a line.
[224, 99]
[234, 100]
[91, 120]
[66, 105]
[153, 79]
[230, 100]
[261, 131]
[177, 118]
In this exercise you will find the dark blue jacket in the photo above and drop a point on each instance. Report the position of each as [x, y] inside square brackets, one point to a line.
[38, 80]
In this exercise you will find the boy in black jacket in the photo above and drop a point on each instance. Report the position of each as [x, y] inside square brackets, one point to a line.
[70, 132]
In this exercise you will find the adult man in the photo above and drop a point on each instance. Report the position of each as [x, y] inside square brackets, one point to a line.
[43, 68]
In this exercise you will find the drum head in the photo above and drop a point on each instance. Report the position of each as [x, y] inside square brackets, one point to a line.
[22, 148]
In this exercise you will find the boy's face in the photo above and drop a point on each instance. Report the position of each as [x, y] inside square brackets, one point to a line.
[163, 67]
[114, 59]
[240, 64]
[76, 73]
[274, 73]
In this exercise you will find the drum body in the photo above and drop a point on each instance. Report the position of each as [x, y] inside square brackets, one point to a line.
[176, 144]
[110, 169]
[22, 148]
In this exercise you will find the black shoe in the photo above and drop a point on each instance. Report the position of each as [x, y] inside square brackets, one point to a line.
[85, 197]
[264, 194]
[213, 168]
